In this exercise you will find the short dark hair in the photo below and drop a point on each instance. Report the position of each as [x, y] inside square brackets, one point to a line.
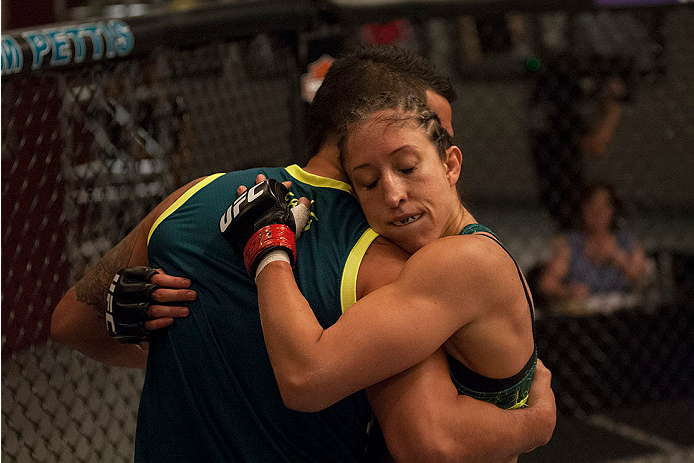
[365, 73]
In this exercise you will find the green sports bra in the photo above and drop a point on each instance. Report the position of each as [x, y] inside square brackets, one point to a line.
[506, 393]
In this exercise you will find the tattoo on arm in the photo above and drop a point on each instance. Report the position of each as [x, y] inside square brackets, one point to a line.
[93, 287]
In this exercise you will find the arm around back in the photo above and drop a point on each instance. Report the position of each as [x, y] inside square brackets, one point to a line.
[384, 333]
[424, 419]
[78, 319]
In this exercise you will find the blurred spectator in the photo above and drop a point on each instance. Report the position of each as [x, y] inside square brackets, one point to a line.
[575, 115]
[599, 259]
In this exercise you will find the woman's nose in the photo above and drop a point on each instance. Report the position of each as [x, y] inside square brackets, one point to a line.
[394, 191]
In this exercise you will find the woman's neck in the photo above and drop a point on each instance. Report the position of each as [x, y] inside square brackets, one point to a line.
[460, 219]
[597, 234]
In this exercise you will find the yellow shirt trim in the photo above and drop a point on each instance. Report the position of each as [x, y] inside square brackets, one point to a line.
[180, 201]
[316, 180]
[348, 286]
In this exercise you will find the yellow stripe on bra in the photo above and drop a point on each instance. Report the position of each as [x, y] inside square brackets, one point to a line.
[520, 403]
[180, 201]
[348, 286]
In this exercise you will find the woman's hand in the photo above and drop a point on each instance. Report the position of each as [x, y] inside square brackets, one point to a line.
[301, 217]
[260, 178]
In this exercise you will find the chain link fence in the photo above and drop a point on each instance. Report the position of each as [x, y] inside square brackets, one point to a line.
[87, 151]
[86, 154]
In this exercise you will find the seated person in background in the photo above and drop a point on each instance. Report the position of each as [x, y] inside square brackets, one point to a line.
[599, 258]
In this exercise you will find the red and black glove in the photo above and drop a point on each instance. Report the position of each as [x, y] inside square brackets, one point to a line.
[128, 301]
[260, 222]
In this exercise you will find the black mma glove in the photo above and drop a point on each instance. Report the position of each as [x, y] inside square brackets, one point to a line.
[260, 222]
[128, 301]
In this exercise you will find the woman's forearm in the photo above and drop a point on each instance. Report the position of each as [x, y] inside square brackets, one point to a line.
[421, 425]
[633, 264]
[291, 330]
[383, 334]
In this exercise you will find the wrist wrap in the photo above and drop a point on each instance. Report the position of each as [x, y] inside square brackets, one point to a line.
[266, 239]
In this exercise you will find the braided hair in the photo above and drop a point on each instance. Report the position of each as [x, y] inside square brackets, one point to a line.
[397, 109]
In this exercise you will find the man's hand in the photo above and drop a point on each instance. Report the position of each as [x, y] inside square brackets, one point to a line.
[261, 226]
[135, 302]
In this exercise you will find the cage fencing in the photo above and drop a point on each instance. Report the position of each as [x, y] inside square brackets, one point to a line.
[87, 152]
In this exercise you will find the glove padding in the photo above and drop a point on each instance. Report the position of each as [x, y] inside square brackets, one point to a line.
[260, 221]
[128, 301]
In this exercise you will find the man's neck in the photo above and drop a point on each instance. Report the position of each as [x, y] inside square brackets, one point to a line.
[326, 164]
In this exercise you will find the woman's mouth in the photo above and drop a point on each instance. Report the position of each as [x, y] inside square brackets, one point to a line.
[407, 220]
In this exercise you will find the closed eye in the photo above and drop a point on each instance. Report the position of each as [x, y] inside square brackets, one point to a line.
[408, 171]
[372, 185]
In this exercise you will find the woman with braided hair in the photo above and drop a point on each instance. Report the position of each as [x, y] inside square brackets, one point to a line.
[460, 289]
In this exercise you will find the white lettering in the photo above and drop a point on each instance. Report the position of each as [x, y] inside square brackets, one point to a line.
[237, 203]
[110, 322]
[249, 196]
[225, 221]
[252, 193]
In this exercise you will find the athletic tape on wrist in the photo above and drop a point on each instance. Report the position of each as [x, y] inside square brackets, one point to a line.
[272, 256]
[268, 237]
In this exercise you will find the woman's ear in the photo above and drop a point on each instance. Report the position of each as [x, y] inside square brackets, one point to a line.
[454, 161]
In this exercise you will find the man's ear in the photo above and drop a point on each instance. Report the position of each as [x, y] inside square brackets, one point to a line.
[454, 161]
